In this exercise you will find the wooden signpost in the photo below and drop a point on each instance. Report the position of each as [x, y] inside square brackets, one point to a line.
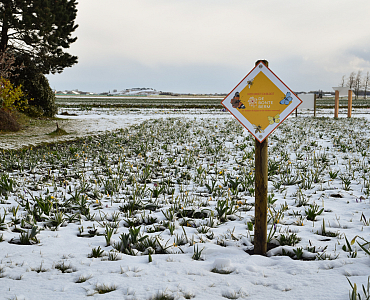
[336, 104]
[349, 103]
[261, 102]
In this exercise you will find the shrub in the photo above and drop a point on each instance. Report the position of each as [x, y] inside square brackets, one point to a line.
[34, 111]
[8, 93]
[42, 97]
[7, 121]
[36, 88]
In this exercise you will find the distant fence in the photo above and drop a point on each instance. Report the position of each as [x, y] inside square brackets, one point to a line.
[343, 103]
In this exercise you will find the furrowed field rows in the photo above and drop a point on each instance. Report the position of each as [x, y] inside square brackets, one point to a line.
[140, 102]
[187, 178]
[174, 193]
[176, 102]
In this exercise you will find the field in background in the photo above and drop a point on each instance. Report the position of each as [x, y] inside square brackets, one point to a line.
[175, 102]
[139, 102]
[328, 102]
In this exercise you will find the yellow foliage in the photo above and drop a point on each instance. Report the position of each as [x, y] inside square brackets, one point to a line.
[8, 93]
[22, 104]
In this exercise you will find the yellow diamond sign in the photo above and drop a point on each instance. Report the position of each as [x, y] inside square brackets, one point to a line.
[261, 102]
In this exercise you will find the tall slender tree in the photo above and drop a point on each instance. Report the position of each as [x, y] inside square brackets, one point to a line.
[366, 84]
[40, 30]
[343, 80]
[351, 80]
[357, 84]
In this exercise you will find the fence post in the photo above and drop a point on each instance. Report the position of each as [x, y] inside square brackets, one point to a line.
[349, 103]
[336, 104]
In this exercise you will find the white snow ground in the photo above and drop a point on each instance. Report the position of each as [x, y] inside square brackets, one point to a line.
[28, 272]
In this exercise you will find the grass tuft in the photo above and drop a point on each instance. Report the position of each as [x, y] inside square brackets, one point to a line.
[83, 279]
[103, 289]
[64, 268]
[58, 132]
[162, 296]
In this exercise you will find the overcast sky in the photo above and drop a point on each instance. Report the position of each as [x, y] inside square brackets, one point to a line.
[208, 46]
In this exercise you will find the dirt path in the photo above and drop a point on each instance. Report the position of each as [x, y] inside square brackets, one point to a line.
[38, 132]
[83, 124]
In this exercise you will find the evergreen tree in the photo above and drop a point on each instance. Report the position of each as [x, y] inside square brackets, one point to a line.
[34, 35]
[41, 30]
[36, 88]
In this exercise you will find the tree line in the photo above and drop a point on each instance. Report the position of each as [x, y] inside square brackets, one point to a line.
[357, 82]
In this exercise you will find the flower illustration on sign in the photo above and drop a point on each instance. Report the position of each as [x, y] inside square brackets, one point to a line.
[252, 102]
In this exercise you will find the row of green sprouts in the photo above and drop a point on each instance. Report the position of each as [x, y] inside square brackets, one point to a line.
[164, 185]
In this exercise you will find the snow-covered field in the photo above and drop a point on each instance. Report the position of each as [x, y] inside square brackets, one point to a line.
[162, 207]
